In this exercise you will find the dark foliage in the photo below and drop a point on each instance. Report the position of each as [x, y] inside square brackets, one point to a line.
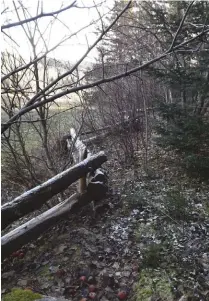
[187, 134]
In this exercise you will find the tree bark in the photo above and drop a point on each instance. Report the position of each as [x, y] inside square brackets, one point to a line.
[36, 197]
[31, 230]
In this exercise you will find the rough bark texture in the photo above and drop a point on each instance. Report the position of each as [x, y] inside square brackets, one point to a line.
[31, 230]
[36, 197]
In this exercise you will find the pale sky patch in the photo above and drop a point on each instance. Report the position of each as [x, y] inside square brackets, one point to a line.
[74, 19]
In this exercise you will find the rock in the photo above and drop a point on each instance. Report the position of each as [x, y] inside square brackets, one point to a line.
[68, 280]
[60, 249]
[95, 264]
[109, 290]
[8, 274]
[118, 274]
[45, 285]
[22, 282]
[65, 258]
[116, 265]
[54, 269]
[107, 250]
[126, 273]
[127, 268]
[91, 280]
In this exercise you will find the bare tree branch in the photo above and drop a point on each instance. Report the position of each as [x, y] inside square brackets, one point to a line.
[181, 25]
[42, 92]
[3, 78]
[99, 82]
[37, 17]
[6, 8]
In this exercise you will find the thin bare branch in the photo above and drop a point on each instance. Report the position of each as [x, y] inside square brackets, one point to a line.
[99, 82]
[11, 39]
[181, 25]
[37, 17]
[4, 10]
[3, 78]
[42, 92]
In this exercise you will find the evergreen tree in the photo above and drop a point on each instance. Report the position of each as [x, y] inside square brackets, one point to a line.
[186, 76]
[181, 79]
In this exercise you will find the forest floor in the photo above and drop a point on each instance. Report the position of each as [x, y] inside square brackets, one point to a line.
[149, 239]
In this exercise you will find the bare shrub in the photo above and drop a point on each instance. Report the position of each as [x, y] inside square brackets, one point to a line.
[126, 106]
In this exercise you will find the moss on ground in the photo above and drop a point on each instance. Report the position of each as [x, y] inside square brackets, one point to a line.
[152, 284]
[21, 295]
[44, 272]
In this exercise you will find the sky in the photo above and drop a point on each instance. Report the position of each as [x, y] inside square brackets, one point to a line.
[68, 22]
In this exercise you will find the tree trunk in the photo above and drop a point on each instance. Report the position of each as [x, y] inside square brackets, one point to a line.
[36, 197]
[31, 230]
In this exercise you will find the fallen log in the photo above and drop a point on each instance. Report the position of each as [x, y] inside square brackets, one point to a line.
[31, 230]
[36, 197]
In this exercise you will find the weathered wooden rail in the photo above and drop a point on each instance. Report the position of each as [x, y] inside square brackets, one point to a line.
[38, 196]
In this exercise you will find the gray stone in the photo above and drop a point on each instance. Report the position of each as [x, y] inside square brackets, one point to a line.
[109, 290]
[65, 258]
[118, 274]
[45, 285]
[22, 282]
[126, 273]
[8, 274]
[60, 249]
[68, 280]
[116, 265]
